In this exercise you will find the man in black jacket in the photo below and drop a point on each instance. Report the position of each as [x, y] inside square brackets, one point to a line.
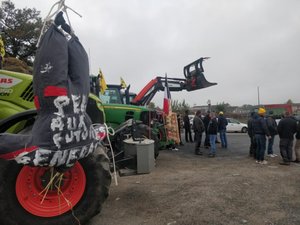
[287, 127]
[206, 121]
[251, 134]
[187, 127]
[198, 127]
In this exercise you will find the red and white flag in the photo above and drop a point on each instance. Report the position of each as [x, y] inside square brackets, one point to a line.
[167, 98]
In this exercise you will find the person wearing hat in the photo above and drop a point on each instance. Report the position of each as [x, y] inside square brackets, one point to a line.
[222, 124]
[261, 131]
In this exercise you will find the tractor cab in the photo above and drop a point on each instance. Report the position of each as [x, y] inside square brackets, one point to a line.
[112, 95]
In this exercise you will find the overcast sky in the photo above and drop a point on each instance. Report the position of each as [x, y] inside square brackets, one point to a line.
[252, 43]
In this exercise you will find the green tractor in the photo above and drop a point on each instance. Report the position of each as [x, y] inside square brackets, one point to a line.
[120, 104]
[17, 99]
[84, 186]
[118, 112]
[55, 167]
[16, 94]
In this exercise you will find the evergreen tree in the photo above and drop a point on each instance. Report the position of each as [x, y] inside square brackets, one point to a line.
[21, 31]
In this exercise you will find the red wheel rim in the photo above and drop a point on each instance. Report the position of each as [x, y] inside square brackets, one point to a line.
[29, 187]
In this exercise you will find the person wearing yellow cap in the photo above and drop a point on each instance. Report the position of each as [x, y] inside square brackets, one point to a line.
[260, 131]
[261, 111]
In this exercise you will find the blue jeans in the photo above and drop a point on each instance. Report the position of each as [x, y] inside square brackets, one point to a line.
[212, 140]
[261, 146]
[270, 145]
[223, 138]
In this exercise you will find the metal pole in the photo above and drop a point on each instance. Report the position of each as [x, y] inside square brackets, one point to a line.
[209, 105]
[258, 99]
[90, 62]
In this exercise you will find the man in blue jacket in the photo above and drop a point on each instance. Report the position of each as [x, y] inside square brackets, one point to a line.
[212, 131]
[261, 131]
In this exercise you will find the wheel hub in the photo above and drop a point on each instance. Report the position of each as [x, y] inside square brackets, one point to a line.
[43, 198]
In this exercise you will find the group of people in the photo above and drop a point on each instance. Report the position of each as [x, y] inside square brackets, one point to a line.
[210, 125]
[262, 128]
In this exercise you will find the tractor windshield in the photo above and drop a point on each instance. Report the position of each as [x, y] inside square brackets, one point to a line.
[111, 96]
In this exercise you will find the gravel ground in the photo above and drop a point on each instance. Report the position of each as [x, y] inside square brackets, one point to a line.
[185, 189]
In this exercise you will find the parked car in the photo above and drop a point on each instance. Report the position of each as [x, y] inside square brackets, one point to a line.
[236, 126]
[296, 117]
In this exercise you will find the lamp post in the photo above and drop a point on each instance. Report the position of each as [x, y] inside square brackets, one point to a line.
[209, 104]
[258, 97]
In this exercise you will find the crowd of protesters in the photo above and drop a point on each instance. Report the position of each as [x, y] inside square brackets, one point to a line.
[210, 125]
[262, 130]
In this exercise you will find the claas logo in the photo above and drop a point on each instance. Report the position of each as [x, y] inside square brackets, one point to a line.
[6, 80]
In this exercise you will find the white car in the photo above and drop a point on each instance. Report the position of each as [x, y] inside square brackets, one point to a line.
[236, 126]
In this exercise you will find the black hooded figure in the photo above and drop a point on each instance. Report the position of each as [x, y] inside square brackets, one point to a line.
[62, 132]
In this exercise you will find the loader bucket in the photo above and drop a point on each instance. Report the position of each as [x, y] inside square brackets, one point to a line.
[194, 75]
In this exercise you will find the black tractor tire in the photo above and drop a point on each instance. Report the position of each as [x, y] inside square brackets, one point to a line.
[98, 179]
[151, 134]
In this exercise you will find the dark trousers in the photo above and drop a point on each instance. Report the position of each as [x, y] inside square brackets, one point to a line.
[286, 149]
[206, 141]
[252, 148]
[261, 146]
[198, 138]
[188, 135]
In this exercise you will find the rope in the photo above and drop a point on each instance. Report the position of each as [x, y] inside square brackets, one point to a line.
[110, 131]
[69, 203]
[50, 183]
[57, 185]
[61, 6]
[149, 122]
